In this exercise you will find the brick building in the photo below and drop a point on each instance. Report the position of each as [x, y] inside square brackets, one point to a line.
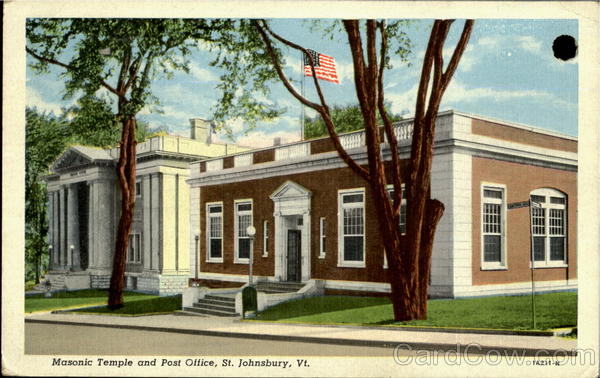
[315, 220]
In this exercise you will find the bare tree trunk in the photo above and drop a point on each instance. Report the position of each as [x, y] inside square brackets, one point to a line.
[409, 256]
[126, 171]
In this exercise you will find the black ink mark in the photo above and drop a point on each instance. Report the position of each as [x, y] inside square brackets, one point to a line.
[564, 47]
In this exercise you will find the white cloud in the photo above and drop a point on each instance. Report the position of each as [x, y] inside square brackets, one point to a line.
[259, 139]
[458, 93]
[345, 72]
[202, 74]
[34, 99]
[529, 44]
[170, 111]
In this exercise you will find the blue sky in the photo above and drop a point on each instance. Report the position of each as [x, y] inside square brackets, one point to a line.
[507, 72]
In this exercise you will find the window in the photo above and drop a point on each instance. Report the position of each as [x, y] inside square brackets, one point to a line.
[493, 240]
[322, 237]
[134, 254]
[549, 227]
[352, 228]
[138, 188]
[214, 232]
[243, 219]
[402, 217]
[265, 238]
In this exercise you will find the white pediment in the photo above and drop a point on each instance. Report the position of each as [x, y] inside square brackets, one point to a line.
[290, 189]
[78, 156]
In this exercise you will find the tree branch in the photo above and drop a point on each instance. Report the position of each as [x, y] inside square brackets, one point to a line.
[387, 124]
[310, 58]
[322, 109]
[458, 52]
[280, 73]
[67, 67]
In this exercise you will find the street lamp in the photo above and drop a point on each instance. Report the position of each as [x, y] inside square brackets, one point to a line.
[251, 231]
[50, 257]
[197, 237]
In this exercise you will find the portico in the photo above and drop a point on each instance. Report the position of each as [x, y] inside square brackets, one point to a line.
[292, 232]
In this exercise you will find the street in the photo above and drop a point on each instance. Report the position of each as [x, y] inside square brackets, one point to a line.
[90, 340]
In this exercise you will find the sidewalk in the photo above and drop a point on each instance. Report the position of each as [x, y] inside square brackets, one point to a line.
[340, 335]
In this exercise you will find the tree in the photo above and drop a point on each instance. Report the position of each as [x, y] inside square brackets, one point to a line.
[345, 118]
[46, 136]
[408, 255]
[121, 57]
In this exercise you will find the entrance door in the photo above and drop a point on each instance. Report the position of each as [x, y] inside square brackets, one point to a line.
[294, 268]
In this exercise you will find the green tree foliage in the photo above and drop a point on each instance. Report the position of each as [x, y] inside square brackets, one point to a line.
[117, 60]
[345, 118]
[46, 136]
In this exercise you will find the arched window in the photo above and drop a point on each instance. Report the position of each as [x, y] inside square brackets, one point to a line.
[549, 227]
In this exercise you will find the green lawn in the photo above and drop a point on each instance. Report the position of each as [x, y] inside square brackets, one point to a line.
[553, 310]
[68, 299]
[142, 306]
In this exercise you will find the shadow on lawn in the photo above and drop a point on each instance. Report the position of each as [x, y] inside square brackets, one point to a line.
[138, 307]
[319, 305]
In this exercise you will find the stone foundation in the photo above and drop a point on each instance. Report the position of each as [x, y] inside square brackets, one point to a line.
[170, 285]
[148, 284]
[100, 281]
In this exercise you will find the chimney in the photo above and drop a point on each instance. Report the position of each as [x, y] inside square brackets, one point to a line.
[200, 130]
[276, 141]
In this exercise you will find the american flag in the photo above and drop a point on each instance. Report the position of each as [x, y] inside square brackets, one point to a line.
[324, 66]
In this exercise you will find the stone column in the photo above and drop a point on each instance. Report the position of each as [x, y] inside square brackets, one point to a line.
[306, 253]
[91, 229]
[62, 222]
[103, 222]
[73, 228]
[50, 214]
[146, 222]
[157, 226]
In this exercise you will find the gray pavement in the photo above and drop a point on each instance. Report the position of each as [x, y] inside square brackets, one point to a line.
[341, 335]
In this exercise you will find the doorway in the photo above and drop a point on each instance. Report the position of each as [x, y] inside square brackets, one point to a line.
[294, 248]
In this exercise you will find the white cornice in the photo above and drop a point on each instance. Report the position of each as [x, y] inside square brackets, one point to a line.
[478, 146]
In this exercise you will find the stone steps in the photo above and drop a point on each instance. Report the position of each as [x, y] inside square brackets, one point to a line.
[278, 287]
[213, 305]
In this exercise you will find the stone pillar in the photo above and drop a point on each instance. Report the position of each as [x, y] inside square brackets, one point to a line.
[50, 216]
[55, 230]
[305, 245]
[157, 226]
[73, 228]
[103, 222]
[62, 222]
[91, 229]
[146, 222]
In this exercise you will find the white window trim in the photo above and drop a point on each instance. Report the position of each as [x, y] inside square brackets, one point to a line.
[210, 259]
[503, 264]
[321, 236]
[236, 259]
[547, 263]
[265, 238]
[403, 203]
[132, 237]
[341, 262]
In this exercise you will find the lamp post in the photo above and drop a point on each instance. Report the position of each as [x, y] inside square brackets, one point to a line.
[196, 237]
[50, 257]
[251, 231]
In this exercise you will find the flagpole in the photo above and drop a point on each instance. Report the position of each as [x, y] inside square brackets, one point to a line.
[302, 91]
